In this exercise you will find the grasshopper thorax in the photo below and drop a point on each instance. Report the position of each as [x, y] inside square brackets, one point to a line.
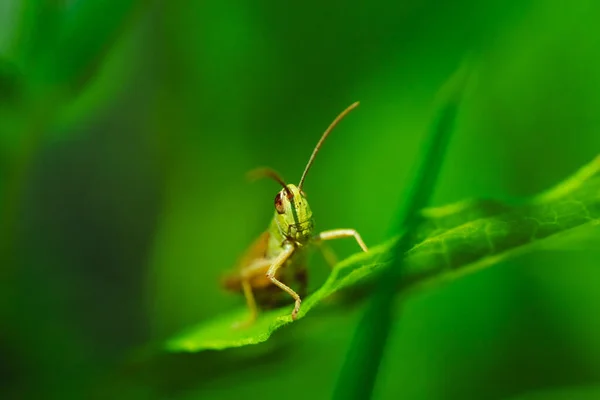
[293, 215]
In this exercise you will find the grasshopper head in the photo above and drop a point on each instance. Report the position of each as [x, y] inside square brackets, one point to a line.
[293, 214]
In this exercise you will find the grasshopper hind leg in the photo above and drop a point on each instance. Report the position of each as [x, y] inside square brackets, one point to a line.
[251, 301]
[256, 267]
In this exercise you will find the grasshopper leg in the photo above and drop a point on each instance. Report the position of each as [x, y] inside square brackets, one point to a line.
[327, 252]
[342, 233]
[247, 273]
[250, 301]
[277, 263]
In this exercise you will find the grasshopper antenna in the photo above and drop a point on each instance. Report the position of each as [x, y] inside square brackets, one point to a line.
[320, 143]
[269, 173]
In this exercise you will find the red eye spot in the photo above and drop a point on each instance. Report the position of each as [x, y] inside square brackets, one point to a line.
[279, 204]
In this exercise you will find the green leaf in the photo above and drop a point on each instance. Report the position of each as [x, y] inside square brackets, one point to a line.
[454, 240]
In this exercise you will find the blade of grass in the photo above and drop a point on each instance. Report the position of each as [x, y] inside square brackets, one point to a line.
[359, 371]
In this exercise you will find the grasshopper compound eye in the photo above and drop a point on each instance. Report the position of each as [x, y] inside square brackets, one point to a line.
[279, 203]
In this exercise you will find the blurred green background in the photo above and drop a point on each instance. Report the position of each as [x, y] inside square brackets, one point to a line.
[126, 128]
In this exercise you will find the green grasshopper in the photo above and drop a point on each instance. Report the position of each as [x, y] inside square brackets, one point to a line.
[277, 259]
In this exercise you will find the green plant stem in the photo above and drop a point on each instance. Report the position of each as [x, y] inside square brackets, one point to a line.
[359, 372]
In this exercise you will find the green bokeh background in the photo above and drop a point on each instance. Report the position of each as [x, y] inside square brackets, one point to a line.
[126, 128]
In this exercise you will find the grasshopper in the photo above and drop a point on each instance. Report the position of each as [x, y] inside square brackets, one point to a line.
[277, 259]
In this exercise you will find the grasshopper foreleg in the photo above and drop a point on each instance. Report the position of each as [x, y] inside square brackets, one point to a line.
[277, 263]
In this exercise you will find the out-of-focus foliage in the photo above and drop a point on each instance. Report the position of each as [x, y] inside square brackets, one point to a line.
[579, 393]
[126, 129]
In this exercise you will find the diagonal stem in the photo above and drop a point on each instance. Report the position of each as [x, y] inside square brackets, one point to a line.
[359, 372]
